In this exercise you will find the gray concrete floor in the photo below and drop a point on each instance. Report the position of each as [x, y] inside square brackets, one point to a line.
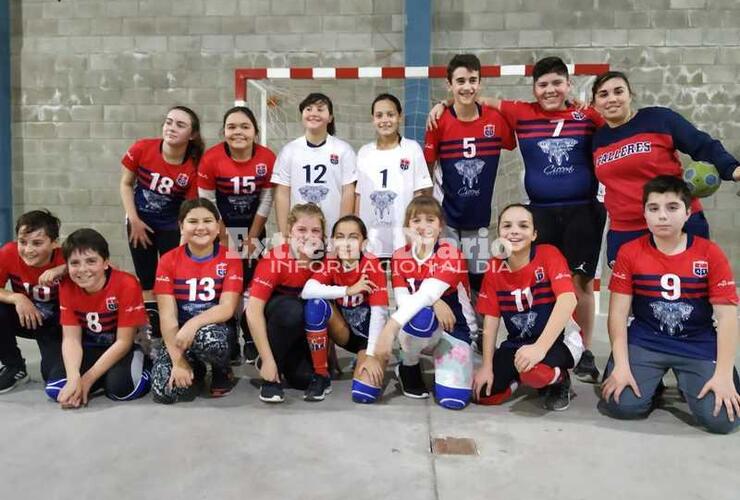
[238, 447]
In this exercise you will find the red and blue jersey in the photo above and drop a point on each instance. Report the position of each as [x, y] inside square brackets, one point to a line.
[118, 304]
[197, 283]
[238, 184]
[25, 279]
[160, 187]
[627, 156]
[356, 308]
[525, 298]
[468, 154]
[556, 150]
[446, 264]
[672, 295]
[279, 272]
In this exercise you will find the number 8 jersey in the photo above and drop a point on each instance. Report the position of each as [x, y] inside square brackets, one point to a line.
[197, 283]
[118, 304]
[672, 295]
[317, 173]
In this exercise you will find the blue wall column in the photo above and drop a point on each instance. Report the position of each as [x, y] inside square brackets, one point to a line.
[6, 184]
[417, 40]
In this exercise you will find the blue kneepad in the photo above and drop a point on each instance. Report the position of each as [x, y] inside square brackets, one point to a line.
[424, 324]
[364, 393]
[141, 388]
[316, 314]
[452, 398]
[54, 387]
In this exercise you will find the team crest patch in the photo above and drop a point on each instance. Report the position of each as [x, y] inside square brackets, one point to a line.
[261, 170]
[334, 159]
[405, 163]
[221, 270]
[182, 180]
[489, 130]
[539, 274]
[577, 115]
[111, 303]
[701, 268]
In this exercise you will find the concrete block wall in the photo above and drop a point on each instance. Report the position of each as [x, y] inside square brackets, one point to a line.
[89, 77]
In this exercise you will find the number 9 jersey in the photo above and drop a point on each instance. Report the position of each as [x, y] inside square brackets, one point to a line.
[672, 295]
[197, 283]
[317, 173]
[160, 186]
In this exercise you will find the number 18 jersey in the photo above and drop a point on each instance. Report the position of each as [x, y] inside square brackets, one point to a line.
[317, 173]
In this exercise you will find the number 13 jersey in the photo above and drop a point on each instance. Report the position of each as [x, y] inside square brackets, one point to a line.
[317, 173]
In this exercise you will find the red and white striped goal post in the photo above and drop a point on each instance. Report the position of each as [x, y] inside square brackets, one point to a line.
[242, 75]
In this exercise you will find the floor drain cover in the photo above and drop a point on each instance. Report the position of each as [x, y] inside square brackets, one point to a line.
[453, 446]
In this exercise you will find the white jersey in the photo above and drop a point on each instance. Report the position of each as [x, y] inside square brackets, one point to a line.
[316, 174]
[386, 182]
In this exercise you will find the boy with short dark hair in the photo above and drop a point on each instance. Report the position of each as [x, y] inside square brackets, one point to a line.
[555, 143]
[674, 283]
[33, 264]
[467, 144]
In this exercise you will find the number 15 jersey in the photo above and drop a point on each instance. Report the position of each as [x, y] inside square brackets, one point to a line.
[317, 173]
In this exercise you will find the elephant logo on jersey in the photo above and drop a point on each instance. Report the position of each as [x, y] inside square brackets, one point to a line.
[557, 149]
[314, 194]
[489, 130]
[382, 202]
[671, 315]
[525, 322]
[111, 303]
[241, 203]
[701, 268]
[470, 169]
[405, 163]
[154, 201]
[261, 170]
[182, 180]
[356, 317]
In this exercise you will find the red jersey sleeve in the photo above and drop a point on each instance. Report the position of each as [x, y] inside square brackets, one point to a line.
[557, 269]
[621, 280]
[451, 267]
[505, 131]
[164, 283]
[721, 283]
[131, 310]
[130, 160]
[487, 300]
[66, 298]
[431, 141]
[234, 279]
[265, 279]
[192, 191]
[206, 172]
[6, 256]
[376, 274]
[510, 111]
[323, 274]
[595, 116]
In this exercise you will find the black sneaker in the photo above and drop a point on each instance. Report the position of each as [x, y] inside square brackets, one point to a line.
[412, 385]
[272, 392]
[586, 370]
[250, 352]
[557, 397]
[11, 376]
[222, 381]
[318, 388]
